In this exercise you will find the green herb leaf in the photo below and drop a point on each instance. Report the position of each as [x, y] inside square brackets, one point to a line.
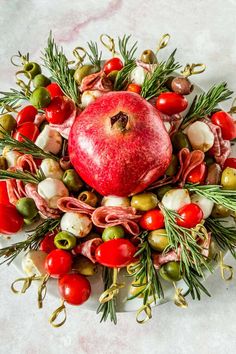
[127, 54]
[122, 78]
[9, 101]
[94, 55]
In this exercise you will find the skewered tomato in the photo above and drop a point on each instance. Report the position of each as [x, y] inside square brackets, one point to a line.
[198, 174]
[11, 221]
[4, 199]
[29, 130]
[26, 114]
[152, 220]
[54, 90]
[190, 215]
[58, 263]
[58, 110]
[134, 88]
[226, 123]
[171, 103]
[47, 244]
[75, 289]
[230, 162]
[112, 64]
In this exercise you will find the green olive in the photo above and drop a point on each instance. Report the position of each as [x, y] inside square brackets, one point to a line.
[112, 232]
[31, 221]
[40, 97]
[8, 123]
[32, 69]
[3, 163]
[84, 266]
[171, 271]
[173, 166]
[161, 191]
[219, 211]
[72, 180]
[64, 240]
[148, 57]
[158, 240]
[89, 198]
[112, 75]
[41, 80]
[83, 71]
[144, 201]
[27, 208]
[180, 141]
[136, 288]
[228, 178]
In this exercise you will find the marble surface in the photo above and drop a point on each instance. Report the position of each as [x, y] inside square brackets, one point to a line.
[203, 31]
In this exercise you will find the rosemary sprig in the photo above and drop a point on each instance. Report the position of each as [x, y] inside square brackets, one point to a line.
[144, 273]
[9, 253]
[215, 193]
[9, 100]
[25, 147]
[122, 78]
[25, 177]
[94, 55]
[127, 54]
[195, 287]
[154, 81]
[224, 236]
[206, 103]
[56, 62]
[108, 309]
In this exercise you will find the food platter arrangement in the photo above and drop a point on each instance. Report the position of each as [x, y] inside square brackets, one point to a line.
[117, 180]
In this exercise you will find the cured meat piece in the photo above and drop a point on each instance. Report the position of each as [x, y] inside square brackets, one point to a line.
[26, 162]
[159, 259]
[41, 203]
[161, 182]
[65, 127]
[112, 216]
[39, 119]
[70, 204]
[205, 244]
[15, 190]
[98, 81]
[146, 66]
[65, 163]
[88, 248]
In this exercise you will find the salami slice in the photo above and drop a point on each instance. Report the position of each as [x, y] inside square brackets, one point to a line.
[70, 204]
[26, 162]
[65, 127]
[15, 190]
[162, 258]
[88, 248]
[98, 81]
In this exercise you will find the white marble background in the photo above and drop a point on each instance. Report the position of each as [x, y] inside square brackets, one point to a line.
[203, 31]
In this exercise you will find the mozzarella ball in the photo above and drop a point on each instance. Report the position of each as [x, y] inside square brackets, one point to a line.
[138, 75]
[49, 140]
[77, 224]
[51, 190]
[51, 168]
[200, 136]
[112, 200]
[33, 263]
[89, 97]
[175, 199]
[205, 204]
[11, 156]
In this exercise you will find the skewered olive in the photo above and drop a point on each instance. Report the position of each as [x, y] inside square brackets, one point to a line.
[41, 80]
[209, 160]
[65, 240]
[169, 82]
[161, 191]
[84, 266]
[83, 71]
[173, 166]
[182, 85]
[27, 208]
[40, 97]
[136, 288]
[3, 163]
[112, 75]
[31, 221]
[8, 123]
[213, 174]
[158, 239]
[148, 57]
[144, 201]
[32, 69]
[180, 141]
[89, 198]
[72, 181]
[228, 178]
[112, 232]
[171, 271]
[219, 211]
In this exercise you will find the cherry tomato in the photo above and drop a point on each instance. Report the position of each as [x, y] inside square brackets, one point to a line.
[115, 253]
[191, 215]
[230, 162]
[58, 263]
[4, 199]
[10, 221]
[198, 174]
[134, 88]
[171, 103]
[26, 114]
[74, 288]
[54, 90]
[226, 123]
[28, 129]
[152, 220]
[112, 64]
[47, 244]
[58, 110]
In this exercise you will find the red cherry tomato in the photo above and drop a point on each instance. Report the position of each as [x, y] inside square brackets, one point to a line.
[112, 64]
[26, 114]
[115, 253]
[226, 123]
[10, 221]
[191, 215]
[230, 162]
[58, 263]
[134, 88]
[54, 90]
[4, 199]
[74, 288]
[198, 174]
[171, 103]
[58, 110]
[47, 244]
[152, 220]
[28, 129]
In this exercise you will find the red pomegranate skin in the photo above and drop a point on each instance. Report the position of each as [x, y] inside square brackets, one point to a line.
[120, 157]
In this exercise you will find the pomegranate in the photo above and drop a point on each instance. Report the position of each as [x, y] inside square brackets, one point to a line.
[119, 145]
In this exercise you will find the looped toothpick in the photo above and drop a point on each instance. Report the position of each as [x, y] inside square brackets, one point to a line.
[26, 282]
[163, 42]
[110, 45]
[233, 107]
[79, 53]
[193, 69]
[21, 83]
[146, 310]
[113, 290]
[179, 299]
[227, 272]
[23, 59]
[55, 315]
[42, 291]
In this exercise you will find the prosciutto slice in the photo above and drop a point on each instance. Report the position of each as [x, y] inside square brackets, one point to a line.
[26, 162]
[88, 248]
[115, 215]
[15, 190]
[162, 258]
[65, 127]
[70, 204]
[39, 119]
[98, 81]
